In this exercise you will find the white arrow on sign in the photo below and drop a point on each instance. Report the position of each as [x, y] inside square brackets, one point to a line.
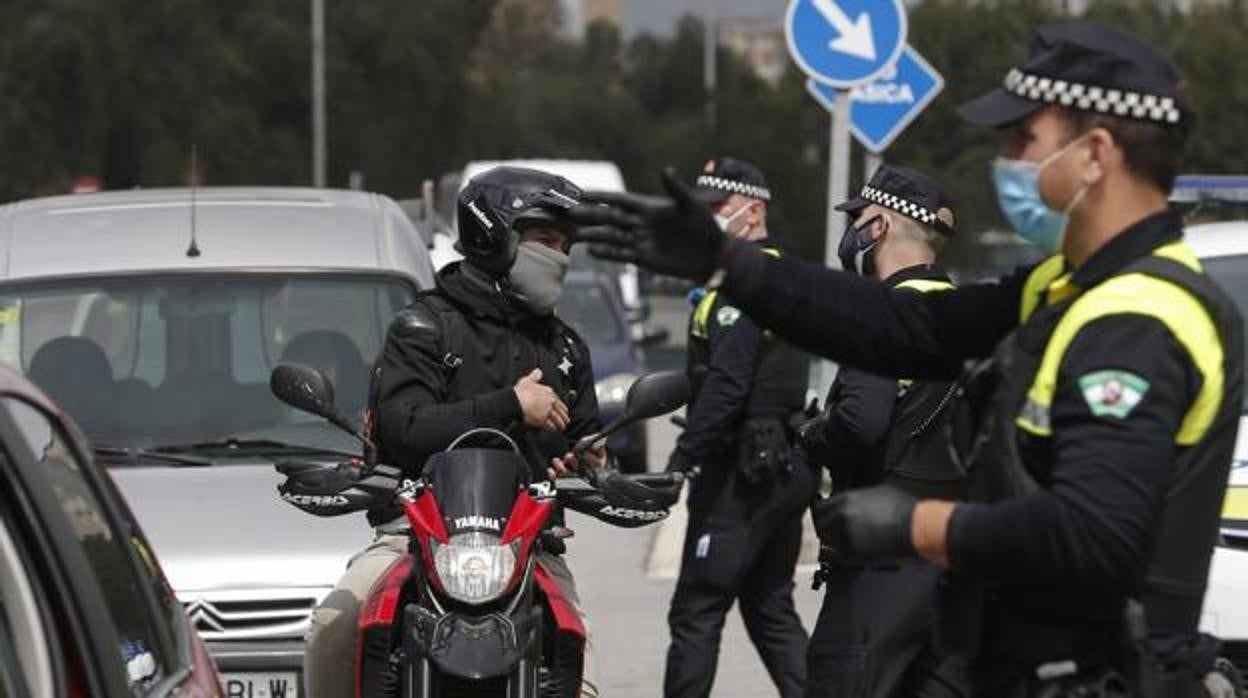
[855, 36]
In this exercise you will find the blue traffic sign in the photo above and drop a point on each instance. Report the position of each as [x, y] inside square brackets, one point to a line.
[843, 43]
[881, 109]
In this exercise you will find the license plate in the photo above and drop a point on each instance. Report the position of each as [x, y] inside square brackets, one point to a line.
[261, 685]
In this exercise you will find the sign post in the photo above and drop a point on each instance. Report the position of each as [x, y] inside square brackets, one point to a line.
[841, 44]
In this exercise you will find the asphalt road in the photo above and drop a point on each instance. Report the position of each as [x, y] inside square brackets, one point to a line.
[625, 579]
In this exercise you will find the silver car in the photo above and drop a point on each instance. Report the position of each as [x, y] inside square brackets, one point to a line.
[154, 318]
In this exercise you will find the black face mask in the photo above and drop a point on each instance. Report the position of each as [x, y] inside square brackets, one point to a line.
[856, 248]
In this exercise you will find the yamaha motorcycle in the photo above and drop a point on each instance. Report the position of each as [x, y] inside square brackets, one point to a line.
[470, 610]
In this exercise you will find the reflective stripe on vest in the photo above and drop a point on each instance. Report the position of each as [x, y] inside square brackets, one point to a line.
[1038, 281]
[1138, 294]
[922, 286]
[925, 285]
[702, 314]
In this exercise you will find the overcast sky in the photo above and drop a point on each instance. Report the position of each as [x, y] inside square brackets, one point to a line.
[659, 16]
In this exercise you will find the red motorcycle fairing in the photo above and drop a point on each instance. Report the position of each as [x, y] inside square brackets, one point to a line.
[426, 520]
[566, 618]
[527, 518]
[382, 604]
[377, 618]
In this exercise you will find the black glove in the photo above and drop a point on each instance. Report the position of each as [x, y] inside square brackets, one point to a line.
[870, 524]
[674, 234]
[812, 438]
[679, 462]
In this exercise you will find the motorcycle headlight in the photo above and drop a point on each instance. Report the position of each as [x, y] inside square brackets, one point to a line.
[612, 390]
[474, 567]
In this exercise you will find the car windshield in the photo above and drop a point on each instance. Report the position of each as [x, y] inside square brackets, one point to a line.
[588, 310]
[156, 361]
[1231, 273]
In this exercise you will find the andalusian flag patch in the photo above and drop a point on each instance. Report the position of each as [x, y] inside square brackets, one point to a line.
[1112, 393]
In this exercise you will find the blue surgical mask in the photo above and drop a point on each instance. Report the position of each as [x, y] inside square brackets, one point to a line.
[1018, 192]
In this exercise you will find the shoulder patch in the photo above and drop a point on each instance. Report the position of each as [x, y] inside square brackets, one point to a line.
[1112, 393]
[727, 315]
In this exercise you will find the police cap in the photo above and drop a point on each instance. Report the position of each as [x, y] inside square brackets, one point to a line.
[723, 177]
[1089, 67]
[908, 192]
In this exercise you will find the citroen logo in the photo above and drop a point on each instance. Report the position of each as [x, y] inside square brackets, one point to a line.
[204, 616]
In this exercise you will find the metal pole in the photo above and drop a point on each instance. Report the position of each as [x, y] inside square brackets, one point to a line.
[870, 163]
[709, 45]
[823, 372]
[318, 93]
[838, 175]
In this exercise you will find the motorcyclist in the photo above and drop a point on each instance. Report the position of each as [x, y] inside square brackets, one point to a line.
[482, 349]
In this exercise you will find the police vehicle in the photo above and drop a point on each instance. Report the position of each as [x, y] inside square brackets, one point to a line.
[1222, 246]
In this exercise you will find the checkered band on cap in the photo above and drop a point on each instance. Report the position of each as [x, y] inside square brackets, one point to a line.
[734, 187]
[1105, 100]
[900, 205]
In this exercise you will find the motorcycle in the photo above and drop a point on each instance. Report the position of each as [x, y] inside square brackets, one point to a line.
[470, 610]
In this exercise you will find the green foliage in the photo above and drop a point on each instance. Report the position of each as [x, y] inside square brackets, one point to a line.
[122, 88]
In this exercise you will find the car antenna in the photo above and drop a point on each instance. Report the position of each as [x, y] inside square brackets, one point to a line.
[193, 250]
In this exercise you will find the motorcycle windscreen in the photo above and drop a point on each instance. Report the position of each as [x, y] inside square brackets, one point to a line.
[476, 488]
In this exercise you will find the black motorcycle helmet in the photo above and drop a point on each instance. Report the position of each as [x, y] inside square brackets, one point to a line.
[498, 204]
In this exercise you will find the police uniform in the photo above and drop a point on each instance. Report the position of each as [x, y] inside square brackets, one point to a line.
[1101, 429]
[873, 636]
[746, 503]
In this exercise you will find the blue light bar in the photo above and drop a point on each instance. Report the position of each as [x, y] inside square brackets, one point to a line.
[1192, 189]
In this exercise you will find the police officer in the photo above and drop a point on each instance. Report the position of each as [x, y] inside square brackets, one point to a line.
[483, 349]
[873, 637]
[745, 506]
[1103, 426]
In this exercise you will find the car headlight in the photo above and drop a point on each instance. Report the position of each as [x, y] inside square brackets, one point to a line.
[612, 390]
[474, 567]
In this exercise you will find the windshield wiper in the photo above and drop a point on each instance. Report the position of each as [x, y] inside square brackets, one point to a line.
[251, 446]
[139, 454]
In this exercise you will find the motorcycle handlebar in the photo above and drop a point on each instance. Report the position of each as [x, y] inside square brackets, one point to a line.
[657, 479]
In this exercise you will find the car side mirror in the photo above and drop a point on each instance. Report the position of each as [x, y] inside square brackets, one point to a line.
[656, 394]
[304, 388]
[651, 395]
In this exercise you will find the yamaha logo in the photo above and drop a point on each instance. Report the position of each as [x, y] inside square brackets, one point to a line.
[478, 522]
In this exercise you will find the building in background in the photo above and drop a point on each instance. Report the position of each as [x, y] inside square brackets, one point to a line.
[579, 14]
[759, 43]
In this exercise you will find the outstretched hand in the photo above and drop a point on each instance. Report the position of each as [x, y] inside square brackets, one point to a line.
[674, 234]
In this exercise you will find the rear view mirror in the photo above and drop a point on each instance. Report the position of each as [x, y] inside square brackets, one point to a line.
[303, 388]
[651, 395]
[656, 394]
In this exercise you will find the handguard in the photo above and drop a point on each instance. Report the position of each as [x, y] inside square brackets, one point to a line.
[335, 490]
[621, 500]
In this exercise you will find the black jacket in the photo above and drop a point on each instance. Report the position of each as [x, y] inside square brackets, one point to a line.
[450, 362]
[736, 371]
[875, 428]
